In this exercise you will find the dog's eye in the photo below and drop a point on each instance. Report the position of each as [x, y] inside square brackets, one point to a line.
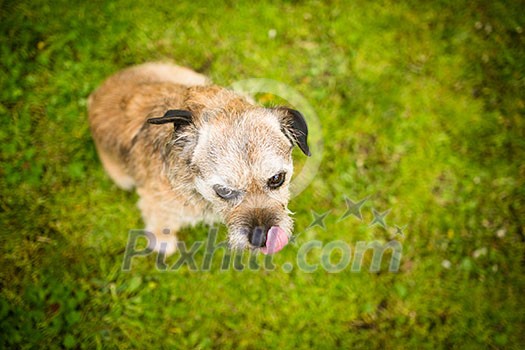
[225, 192]
[276, 181]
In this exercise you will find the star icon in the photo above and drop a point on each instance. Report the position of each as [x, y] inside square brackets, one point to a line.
[353, 208]
[379, 218]
[293, 239]
[399, 230]
[319, 219]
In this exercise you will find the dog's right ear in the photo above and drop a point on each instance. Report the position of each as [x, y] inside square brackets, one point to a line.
[178, 117]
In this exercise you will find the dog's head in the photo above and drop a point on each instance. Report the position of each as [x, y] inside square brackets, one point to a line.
[241, 157]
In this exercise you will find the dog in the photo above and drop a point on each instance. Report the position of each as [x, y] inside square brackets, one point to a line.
[197, 152]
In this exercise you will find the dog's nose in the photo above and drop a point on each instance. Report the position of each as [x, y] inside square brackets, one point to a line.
[257, 236]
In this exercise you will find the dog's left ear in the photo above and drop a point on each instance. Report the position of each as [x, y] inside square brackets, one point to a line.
[295, 128]
[178, 117]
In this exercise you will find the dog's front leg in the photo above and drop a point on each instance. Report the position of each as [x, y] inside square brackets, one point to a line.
[161, 220]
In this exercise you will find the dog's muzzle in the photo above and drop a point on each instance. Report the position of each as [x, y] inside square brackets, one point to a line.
[262, 229]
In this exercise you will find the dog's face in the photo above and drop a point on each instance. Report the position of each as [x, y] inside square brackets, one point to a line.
[242, 164]
[244, 169]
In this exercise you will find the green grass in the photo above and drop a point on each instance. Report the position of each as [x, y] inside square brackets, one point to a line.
[422, 109]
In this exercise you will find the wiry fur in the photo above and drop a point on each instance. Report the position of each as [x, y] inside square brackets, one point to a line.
[229, 142]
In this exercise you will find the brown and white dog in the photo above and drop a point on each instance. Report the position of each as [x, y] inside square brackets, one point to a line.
[197, 152]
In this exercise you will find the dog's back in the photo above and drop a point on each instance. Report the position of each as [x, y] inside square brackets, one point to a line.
[163, 72]
[119, 108]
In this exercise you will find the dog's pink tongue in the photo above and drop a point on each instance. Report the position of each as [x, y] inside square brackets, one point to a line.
[276, 239]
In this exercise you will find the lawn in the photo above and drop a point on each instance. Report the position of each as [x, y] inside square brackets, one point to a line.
[417, 107]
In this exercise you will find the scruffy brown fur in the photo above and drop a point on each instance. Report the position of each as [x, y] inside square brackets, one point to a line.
[176, 167]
